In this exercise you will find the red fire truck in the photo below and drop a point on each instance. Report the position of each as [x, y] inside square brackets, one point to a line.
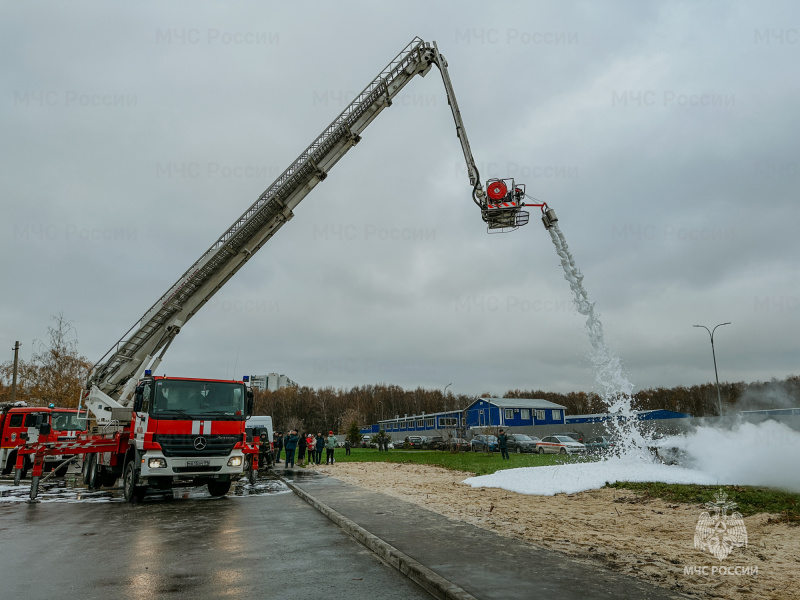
[21, 423]
[178, 431]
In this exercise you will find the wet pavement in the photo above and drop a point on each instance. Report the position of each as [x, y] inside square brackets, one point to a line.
[258, 541]
[481, 562]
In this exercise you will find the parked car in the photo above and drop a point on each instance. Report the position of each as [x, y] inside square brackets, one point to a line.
[600, 444]
[519, 442]
[480, 442]
[460, 444]
[433, 443]
[559, 444]
[575, 435]
[416, 441]
[365, 439]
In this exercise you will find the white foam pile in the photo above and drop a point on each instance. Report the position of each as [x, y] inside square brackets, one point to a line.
[764, 454]
[579, 477]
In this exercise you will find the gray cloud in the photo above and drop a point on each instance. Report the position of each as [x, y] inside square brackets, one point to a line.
[663, 135]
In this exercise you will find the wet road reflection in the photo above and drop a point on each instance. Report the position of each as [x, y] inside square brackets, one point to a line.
[259, 540]
[69, 490]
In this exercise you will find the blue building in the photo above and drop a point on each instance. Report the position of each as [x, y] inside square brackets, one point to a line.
[423, 424]
[522, 415]
[513, 412]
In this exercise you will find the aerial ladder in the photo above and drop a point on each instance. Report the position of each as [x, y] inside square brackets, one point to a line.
[110, 387]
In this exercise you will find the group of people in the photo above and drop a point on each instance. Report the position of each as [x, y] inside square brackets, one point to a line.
[305, 444]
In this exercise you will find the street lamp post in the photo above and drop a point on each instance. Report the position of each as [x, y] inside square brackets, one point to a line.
[444, 393]
[714, 356]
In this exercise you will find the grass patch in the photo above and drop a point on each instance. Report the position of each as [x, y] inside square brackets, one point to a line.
[749, 500]
[479, 463]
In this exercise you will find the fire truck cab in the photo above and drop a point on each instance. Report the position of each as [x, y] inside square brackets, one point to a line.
[22, 424]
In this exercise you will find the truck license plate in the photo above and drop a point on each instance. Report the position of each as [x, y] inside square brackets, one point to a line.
[198, 463]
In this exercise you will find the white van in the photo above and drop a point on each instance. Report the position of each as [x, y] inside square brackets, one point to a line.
[259, 425]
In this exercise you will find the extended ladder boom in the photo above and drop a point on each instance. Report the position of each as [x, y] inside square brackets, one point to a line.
[113, 378]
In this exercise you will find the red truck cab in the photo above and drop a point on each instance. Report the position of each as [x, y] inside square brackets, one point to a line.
[18, 424]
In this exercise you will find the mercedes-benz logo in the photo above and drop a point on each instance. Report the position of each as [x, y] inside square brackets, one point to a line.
[199, 443]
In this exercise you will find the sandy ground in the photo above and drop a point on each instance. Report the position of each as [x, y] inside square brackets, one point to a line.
[649, 539]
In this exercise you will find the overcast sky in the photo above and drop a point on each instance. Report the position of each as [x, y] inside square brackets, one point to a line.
[665, 136]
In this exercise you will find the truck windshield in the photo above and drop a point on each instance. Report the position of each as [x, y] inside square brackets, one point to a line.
[186, 399]
[68, 421]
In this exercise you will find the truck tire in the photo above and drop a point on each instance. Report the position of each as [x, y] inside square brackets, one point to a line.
[10, 462]
[219, 488]
[95, 478]
[88, 464]
[108, 479]
[133, 493]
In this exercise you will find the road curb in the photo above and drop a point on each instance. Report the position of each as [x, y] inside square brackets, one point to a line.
[431, 582]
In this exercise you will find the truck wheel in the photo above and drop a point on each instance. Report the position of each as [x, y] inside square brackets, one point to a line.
[219, 488]
[88, 465]
[133, 493]
[108, 479]
[9, 466]
[95, 476]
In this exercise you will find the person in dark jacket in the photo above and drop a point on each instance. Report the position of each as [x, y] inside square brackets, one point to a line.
[347, 446]
[502, 442]
[290, 445]
[318, 446]
[301, 449]
[278, 444]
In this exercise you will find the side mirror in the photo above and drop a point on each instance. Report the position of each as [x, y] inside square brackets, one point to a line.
[249, 402]
[44, 429]
[138, 399]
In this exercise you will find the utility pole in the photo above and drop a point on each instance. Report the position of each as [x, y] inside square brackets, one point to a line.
[14, 378]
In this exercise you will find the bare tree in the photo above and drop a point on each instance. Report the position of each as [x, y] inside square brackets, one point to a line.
[56, 372]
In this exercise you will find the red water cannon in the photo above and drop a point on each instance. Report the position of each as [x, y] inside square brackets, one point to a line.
[504, 206]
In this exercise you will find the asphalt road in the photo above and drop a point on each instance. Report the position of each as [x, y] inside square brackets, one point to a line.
[269, 544]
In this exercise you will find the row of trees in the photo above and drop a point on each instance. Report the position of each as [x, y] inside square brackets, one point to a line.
[327, 408]
[56, 373]
[697, 400]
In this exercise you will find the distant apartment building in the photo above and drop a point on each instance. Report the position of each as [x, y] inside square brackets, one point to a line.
[272, 382]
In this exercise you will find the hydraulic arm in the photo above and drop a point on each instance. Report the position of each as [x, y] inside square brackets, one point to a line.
[113, 378]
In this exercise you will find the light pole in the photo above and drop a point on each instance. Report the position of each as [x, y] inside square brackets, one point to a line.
[444, 393]
[714, 356]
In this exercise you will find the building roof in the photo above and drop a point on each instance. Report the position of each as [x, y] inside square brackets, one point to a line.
[448, 413]
[533, 403]
[641, 415]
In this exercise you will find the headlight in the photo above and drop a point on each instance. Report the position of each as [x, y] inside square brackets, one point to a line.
[157, 463]
[235, 461]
